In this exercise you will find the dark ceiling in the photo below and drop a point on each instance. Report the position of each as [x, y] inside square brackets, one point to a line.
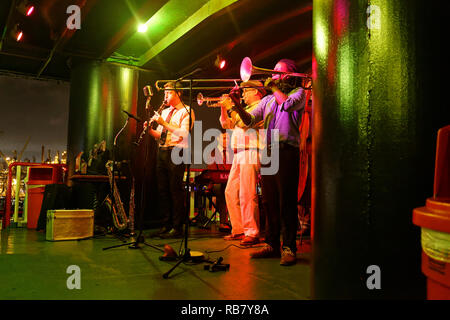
[182, 35]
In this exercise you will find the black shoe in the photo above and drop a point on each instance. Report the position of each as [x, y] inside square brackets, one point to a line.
[172, 234]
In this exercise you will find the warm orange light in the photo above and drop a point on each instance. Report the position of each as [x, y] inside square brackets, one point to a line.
[222, 64]
[19, 36]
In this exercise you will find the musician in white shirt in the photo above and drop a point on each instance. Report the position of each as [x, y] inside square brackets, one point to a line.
[241, 192]
[172, 131]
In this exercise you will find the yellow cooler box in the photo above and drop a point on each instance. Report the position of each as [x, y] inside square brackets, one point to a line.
[69, 224]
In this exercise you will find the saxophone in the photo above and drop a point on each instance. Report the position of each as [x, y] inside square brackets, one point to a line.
[131, 209]
[119, 216]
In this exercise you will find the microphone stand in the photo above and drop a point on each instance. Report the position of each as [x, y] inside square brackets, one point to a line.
[187, 253]
[140, 238]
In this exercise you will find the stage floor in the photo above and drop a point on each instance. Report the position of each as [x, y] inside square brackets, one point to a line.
[33, 268]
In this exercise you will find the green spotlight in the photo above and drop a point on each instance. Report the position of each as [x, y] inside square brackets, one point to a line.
[142, 28]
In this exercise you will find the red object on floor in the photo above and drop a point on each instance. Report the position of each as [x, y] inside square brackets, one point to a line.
[46, 174]
[438, 278]
[41, 174]
[436, 216]
[35, 197]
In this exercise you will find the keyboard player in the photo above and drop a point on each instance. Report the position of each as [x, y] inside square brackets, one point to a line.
[215, 179]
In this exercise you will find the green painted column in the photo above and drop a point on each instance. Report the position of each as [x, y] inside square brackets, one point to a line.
[98, 94]
[374, 134]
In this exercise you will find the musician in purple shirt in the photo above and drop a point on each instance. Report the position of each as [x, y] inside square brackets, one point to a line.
[282, 112]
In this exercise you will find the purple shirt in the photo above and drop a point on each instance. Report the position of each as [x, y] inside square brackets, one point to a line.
[287, 116]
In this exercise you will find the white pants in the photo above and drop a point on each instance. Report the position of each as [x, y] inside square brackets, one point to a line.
[241, 195]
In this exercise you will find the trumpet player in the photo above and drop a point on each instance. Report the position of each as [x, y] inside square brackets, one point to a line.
[172, 132]
[240, 193]
[282, 110]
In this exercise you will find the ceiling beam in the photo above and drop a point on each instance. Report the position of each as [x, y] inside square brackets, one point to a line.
[32, 76]
[21, 56]
[204, 12]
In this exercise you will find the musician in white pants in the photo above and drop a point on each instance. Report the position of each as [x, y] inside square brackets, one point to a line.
[241, 193]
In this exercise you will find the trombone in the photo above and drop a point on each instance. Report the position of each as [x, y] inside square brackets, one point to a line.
[246, 71]
[158, 84]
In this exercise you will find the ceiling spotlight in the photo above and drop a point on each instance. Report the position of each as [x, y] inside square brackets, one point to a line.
[142, 28]
[220, 62]
[25, 8]
[30, 11]
[17, 33]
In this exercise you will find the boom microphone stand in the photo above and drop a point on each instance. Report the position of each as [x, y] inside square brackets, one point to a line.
[187, 252]
[140, 238]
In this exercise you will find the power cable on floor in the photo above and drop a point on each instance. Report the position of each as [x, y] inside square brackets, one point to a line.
[233, 245]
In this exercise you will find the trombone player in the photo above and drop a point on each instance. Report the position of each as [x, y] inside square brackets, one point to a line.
[282, 110]
[240, 193]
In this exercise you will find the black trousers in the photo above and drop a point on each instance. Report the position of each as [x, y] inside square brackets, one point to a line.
[279, 198]
[171, 192]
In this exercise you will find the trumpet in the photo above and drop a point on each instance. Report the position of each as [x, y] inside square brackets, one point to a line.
[210, 101]
[161, 108]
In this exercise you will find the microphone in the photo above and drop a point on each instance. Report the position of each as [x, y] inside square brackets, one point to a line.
[189, 74]
[132, 116]
[148, 91]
